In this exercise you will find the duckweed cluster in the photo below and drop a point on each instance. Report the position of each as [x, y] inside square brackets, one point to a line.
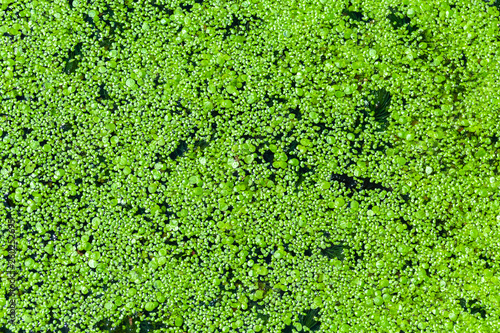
[250, 166]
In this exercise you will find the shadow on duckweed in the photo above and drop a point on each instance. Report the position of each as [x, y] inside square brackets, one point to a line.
[72, 60]
[399, 20]
[334, 251]
[376, 107]
[355, 16]
[181, 149]
[309, 319]
[473, 307]
[494, 3]
[357, 184]
[130, 324]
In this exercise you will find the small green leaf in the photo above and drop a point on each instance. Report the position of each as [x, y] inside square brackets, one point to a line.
[93, 263]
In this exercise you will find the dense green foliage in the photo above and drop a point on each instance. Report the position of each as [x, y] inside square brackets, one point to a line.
[251, 166]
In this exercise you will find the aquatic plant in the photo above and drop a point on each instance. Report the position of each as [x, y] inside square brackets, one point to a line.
[249, 166]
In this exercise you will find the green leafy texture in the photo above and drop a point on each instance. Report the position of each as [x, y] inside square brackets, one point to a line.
[209, 166]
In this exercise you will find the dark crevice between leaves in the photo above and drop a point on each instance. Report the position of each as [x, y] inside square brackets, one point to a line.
[324, 128]
[357, 184]
[180, 107]
[359, 254]
[109, 12]
[334, 251]
[181, 149]
[409, 227]
[156, 83]
[272, 177]
[229, 274]
[186, 6]
[486, 260]
[260, 312]
[66, 127]
[268, 157]
[355, 16]
[310, 319]
[377, 106]
[290, 149]
[103, 93]
[272, 100]
[146, 326]
[201, 144]
[162, 8]
[464, 60]
[473, 307]
[380, 105]
[348, 182]
[95, 31]
[26, 131]
[236, 24]
[494, 139]
[399, 20]
[57, 323]
[130, 324]
[279, 54]
[494, 3]
[107, 41]
[278, 137]
[101, 158]
[296, 112]
[408, 264]
[71, 61]
[8, 202]
[367, 184]
[442, 230]
[76, 197]
[302, 173]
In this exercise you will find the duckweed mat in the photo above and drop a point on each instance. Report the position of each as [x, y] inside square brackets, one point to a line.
[249, 166]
